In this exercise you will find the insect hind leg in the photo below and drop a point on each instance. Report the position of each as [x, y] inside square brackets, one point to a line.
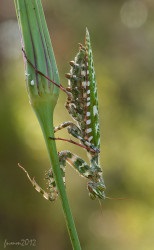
[63, 125]
[75, 131]
[45, 76]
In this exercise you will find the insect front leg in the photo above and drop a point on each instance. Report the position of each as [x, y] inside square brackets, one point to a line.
[93, 172]
[75, 161]
[96, 185]
[50, 177]
[48, 196]
[53, 192]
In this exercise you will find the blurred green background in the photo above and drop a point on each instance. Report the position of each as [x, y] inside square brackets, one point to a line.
[122, 36]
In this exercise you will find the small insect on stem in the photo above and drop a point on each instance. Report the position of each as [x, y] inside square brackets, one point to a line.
[82, 105]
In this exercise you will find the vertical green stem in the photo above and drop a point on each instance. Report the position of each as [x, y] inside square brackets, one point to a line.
[43, 94]
[47, 131]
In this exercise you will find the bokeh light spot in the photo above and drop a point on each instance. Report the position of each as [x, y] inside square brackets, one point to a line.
[134, 13]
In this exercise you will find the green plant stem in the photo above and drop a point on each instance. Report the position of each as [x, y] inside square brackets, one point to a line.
[42, 94]
[47, 131]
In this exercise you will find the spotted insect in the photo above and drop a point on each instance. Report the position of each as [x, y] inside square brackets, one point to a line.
[82, 105]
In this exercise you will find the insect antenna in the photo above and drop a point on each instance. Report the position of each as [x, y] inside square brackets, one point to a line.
[114, 198]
